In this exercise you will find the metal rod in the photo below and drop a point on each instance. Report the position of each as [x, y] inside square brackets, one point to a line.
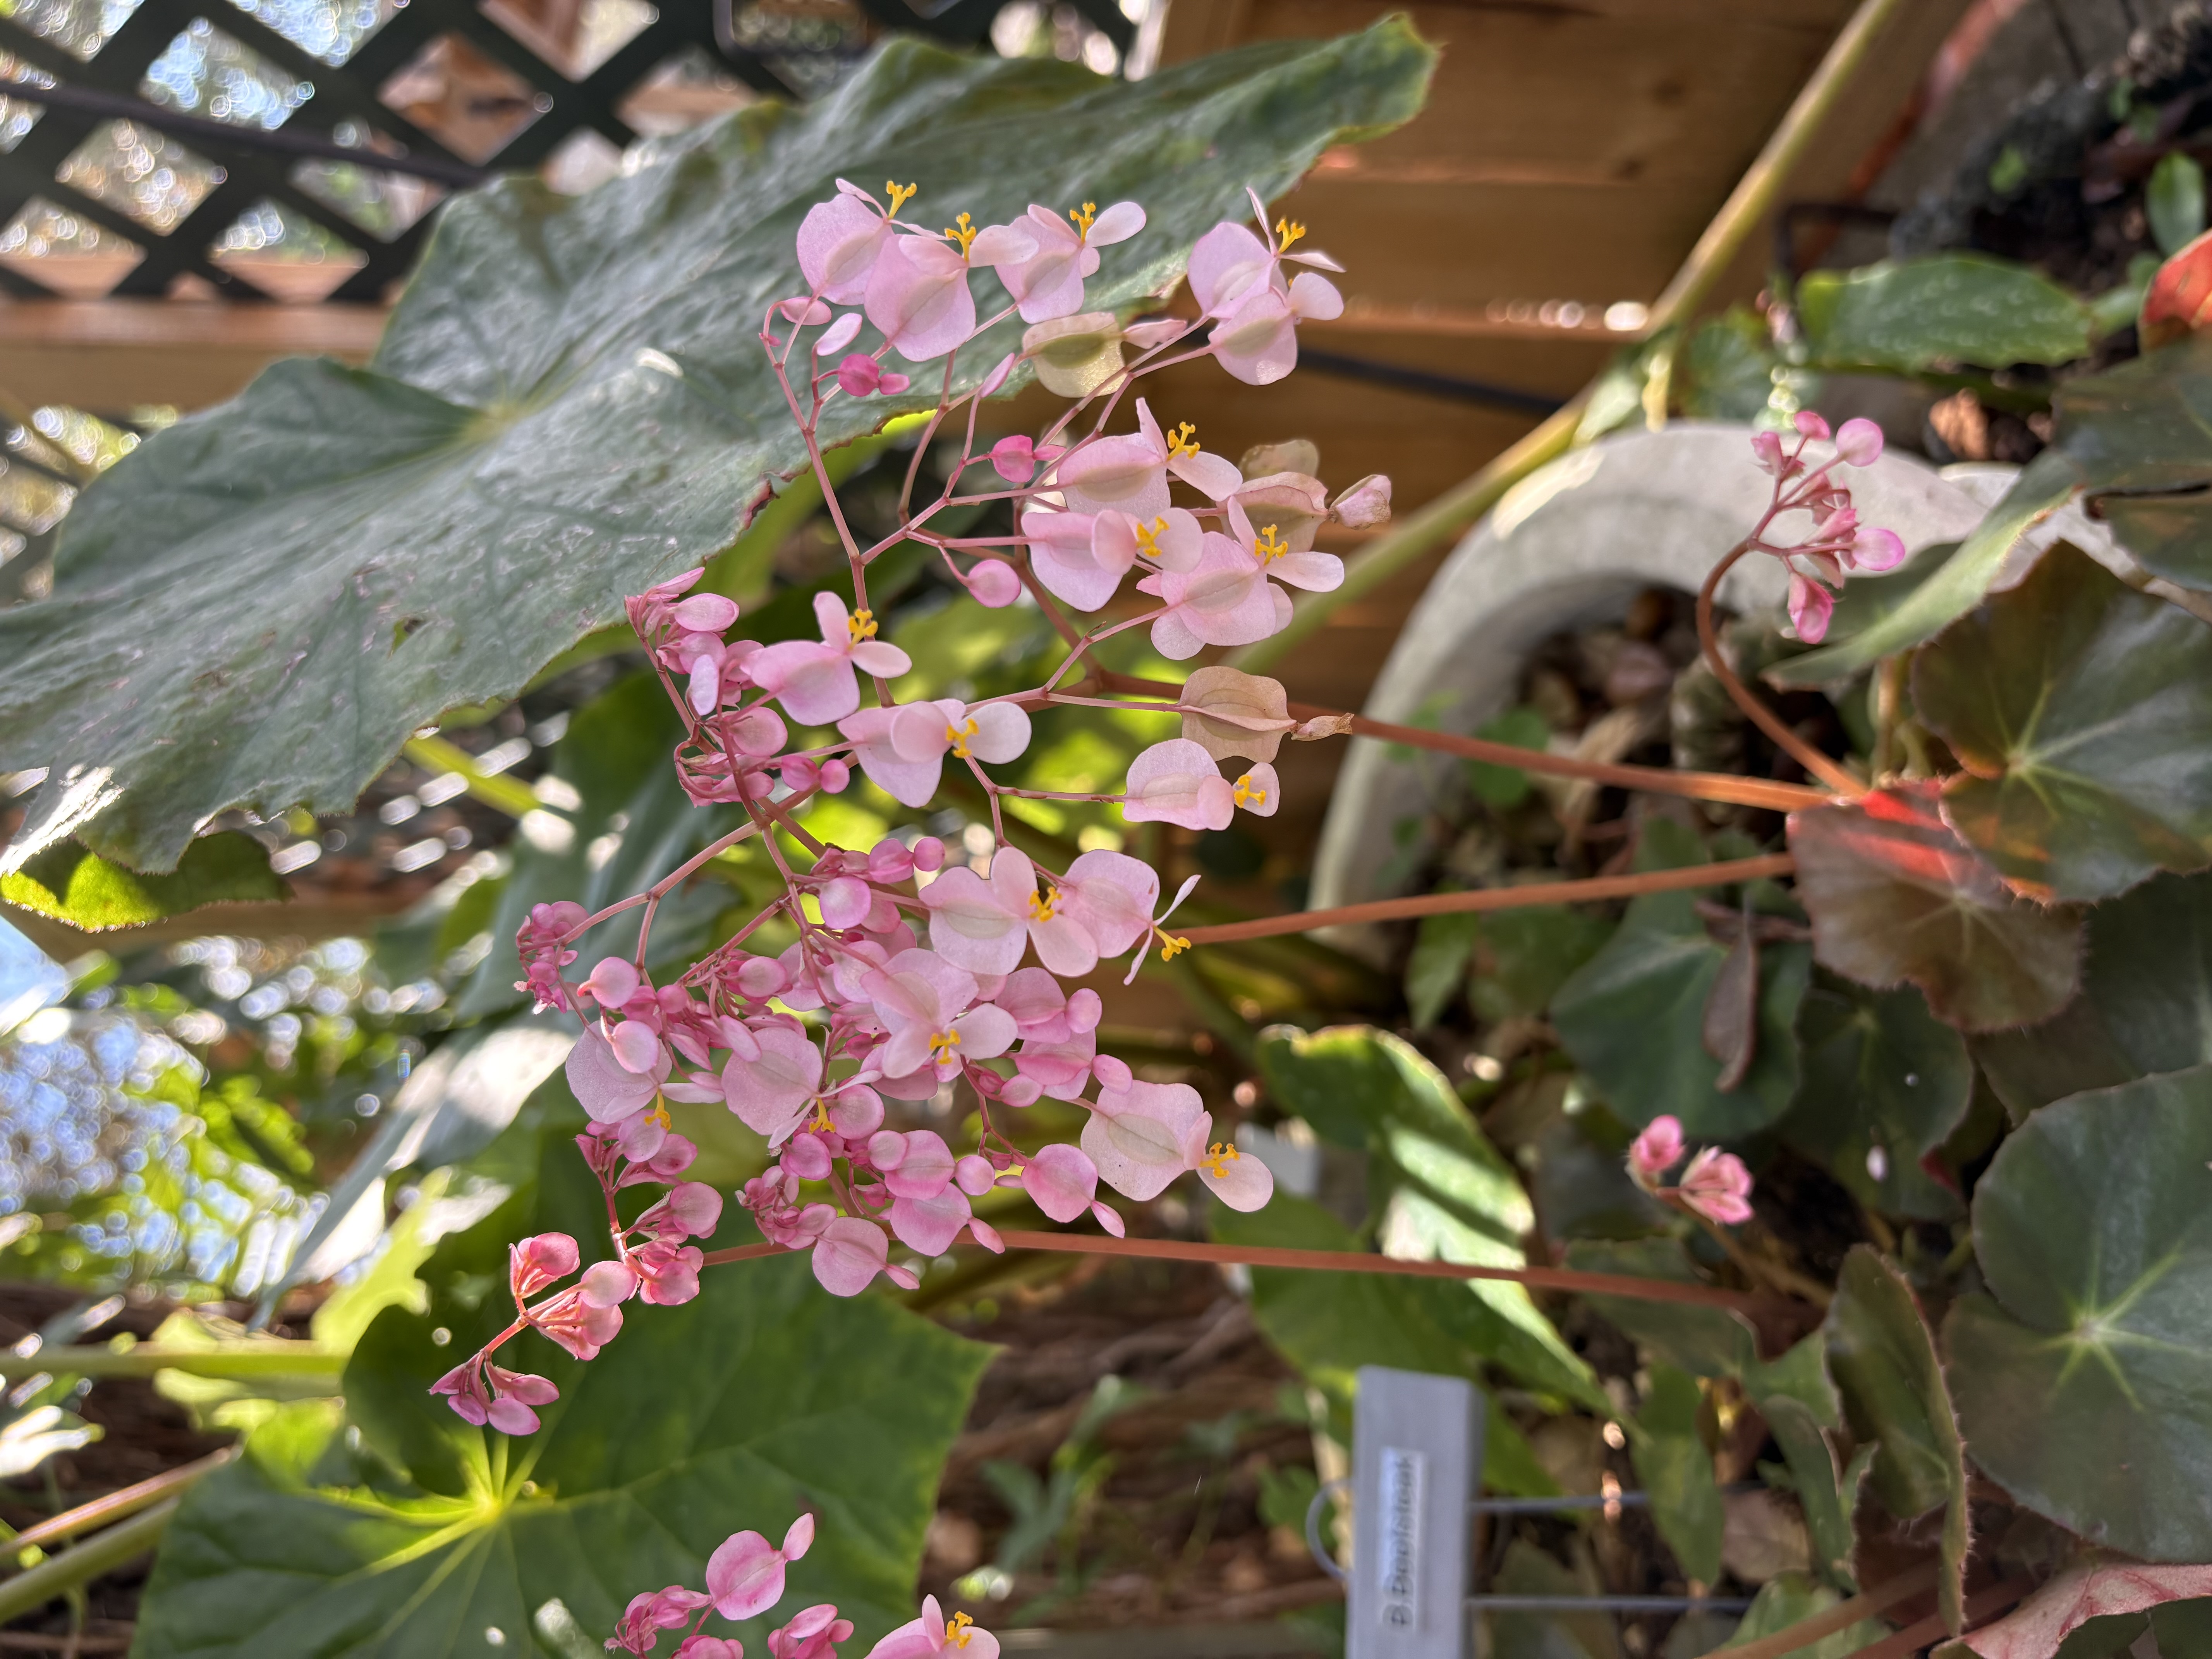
[219, 134]
[1581, 1500]
[1399, 378]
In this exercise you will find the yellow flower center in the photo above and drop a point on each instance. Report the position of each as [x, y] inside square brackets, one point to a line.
[957, 736]
[861, 625]
[1248, 796]
[1082, 216]
[963, 233]
[821, 1118]
[1182, 442]
[1147, 542]
[1171, 946]
[1270, 548]
[1219, 1157]
[1041, 905]
[1287, 231]
[901, 195]
[956, 1631]
[942, 1045]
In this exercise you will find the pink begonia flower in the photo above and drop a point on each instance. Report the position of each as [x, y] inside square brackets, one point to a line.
[1048, 283]
[537, 1263]
[1656, 1150]
[983, 924]
[1717, 1187]
[1241, 1181]
[861, 376]
[1238, 279]
[612, 981]
[1139, 1135]
[769, 1093]
[1169, 945]
[933, 1636]
[916, 1165]
[849, 1253]
[1226, 599]
[840, 239]
[637, 1049]
[671, 1156]
[1258, 792]
[1061, 1181]
[710, 1647]
[1810, 607]
[691, 1209]
[1366, 503]
[925, 1002]
[655, 1611]
[918, 294]
[815, 684]
[1099, 910]
[812, 1634]
[929, 1225]
[1317, 573]
[992, 583]
[608, 1091]
[1129, 473]
[1178, 783]
[668, 1274]
[902, 749]
[744, 1575]
[1295, 503]
[1015, 458]
[577, 1324]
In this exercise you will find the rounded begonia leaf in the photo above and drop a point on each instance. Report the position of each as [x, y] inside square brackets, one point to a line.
[2082, 713]
[1913, 314]
[2084, 1378]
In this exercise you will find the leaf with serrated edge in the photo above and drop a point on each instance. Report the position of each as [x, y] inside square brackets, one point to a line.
[2082, 713]
[2139, 438]
[1946, 308]
[2085, 1386]
[1895, 895]
[258, 604]
[1676, 1472]
[2093, 1588]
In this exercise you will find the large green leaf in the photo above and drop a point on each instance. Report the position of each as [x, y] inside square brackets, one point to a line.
[568, 404]
[1329, 1325]
[2086, 1385]
[2145, 1007]
[1894, 896]
[2139, 440]
[1633, 1017]
[1886, 1083]
[2082, 713]
[1676, 1470]
[71, 884]
[1945, 309]
[763, 1397]
[1442, 1190]
[1946, 592]
[1885, 1369]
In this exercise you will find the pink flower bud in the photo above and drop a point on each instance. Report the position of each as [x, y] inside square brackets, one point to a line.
[1366, 503]
[862, 375]
[1112, 1072]
[845, 902]
[613, 981]
[1811, 425]
[1656, 1150]
[806, 1158]
[835, 775]
[890, 861]
[1859, 442]
[1810, 607]
[705, 613]
[761, 977]
[607, 1284]
[1877, 550]
[535, 1263]
[799, 775]
[636, 1046]
[803, 310]
[1766, 449]
[975, 1175]
[992, 584]
[1717, 1187]
[1014, 459]
[928, 854]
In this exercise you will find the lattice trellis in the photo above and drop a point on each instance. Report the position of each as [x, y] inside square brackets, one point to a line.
[258, 151]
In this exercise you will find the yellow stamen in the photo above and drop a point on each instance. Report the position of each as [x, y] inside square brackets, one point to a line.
[659, 1113]
[1041, 905]
[901, 195]
[1269, 548]
[1082, 216]
[1246, 795]
[1219, 1157]
[1182, 441]
[861, 625]
[821, 1118]
[1146, 542]
[956, 1631]
[942, 1045]
[957, 736]
[1288, 231]
[1171, 946]
[963, 233]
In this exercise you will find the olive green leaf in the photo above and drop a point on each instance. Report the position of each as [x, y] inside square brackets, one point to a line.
[570, 403]
[1894, 896]
[1945, 309]
[78, 887]
[1676, 1470]
[1827, 1493]
[1792, 1599]
[2145, 1007]
[2082, 713]
[407, 1532]
[2084, 1378]
[1884, 1366]
[1886, 1083]
[2138, 438]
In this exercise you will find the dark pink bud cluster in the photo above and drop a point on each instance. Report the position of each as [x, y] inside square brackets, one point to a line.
[1838, 541]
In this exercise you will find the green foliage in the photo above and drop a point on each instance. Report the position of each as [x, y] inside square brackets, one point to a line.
[1526, 955]
[1438, 967]
[2082, 713]
[1943, 310]
[2174, 201]
[340, 554]
[1895, 895]
[1727, 374]
[1503, 787]
[2082, 1376]
[1633, 1015]
[1790, 1600]
[74, 885]
[1442, 1189]
[1881, 1072]
[1827, 1494]
[763, 1397]
[1675, 1467]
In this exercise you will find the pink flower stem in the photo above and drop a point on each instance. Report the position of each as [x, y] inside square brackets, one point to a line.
[1771, 1273]
[671, 879]
[1815, 763]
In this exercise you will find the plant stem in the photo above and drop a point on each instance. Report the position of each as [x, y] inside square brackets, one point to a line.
[273, 1356]
[1917, 1581]
[1913, 1638]
[117, 1504]
[1502, 898]
[1815, 763]
[57, 1575]
[1786, 1279]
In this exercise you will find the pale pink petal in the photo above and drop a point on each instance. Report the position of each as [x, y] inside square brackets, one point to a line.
[1214, 476]
[606, 1090]
[838, 242]
[918, 297]
[1258, 792]
[1116, 224]
[1240, 1182]
[985, 1032]
[744, 1575]
[814, 683]
[1061, 1181]
[971, 923]
[1129, 473]
[768, 1092]
[929, 1225]
[1225, 263]
[1315, 298]
[849, 1254]
[1257, 341]
[1137, 1136]
[1001, 734]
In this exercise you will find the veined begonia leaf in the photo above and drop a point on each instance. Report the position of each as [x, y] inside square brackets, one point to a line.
[1947, 308]
[1891, 1383]
[763, 1398]
[1329, 1325]
[2145, 1007]
[1886, 1083]
[2084, 1378]
[2094, 1588]
[1442, 1192]
[1676, 1470]
[1894, 896]
[569, 403]
[85, 891]
[2082, 713]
